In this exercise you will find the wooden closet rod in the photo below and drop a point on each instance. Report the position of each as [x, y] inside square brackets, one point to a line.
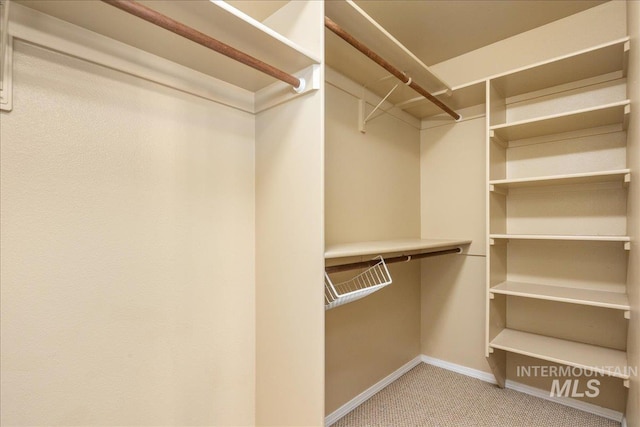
[340, 32]
[401, 258]
[179, 28]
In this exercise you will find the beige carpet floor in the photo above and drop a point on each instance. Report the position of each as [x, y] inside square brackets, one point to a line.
[430, 396]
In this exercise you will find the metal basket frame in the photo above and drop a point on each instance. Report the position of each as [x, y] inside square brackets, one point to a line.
[365, 283]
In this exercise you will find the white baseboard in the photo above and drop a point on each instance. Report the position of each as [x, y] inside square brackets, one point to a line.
[470, 372]
[522, 388]
[473, 373]
[368, 393]
[566, 401]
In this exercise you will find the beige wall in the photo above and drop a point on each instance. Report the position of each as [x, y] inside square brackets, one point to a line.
[127, 251]
[633, 226]
[372, 193]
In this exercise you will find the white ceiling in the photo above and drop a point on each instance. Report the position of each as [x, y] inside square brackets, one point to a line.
[437, 30]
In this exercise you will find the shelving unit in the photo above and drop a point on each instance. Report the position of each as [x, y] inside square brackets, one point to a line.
[557, 183]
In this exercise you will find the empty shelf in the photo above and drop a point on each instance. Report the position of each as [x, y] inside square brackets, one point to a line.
[566, 122]
[589, 357]
[621, 175]
[561, 237]
[382, 247]
[614, 300]
[596, 61]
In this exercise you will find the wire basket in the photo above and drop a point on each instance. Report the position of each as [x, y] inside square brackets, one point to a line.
[365, 283]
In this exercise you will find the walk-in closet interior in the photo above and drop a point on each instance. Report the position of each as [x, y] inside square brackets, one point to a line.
[265, 212]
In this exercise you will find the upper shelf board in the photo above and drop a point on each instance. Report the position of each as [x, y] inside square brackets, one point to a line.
[596, 61]
[621, 175]
[351, 63]
[382, 247]
[614, 113]
[365, 29]
[218, 20]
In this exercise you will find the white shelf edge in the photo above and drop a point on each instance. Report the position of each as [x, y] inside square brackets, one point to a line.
[542, 179]
[397, 43]
[559, 115]
[619, 371]
[380, 247]
[550, 296]
[265, 29]
[592, 238]
[545, 62]
[621, 40]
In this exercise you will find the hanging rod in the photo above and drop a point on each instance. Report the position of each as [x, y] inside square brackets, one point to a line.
[401, 258]
[194, 35]
[340, 32]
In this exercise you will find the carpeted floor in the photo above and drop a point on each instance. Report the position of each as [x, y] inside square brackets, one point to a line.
[430, 396]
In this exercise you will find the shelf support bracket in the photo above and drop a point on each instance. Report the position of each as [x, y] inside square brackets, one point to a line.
[362, 106]
[495, 138]
[625, 120]
[627, 246]
[6, 58]
[498, 364]
[627, 314]
[625, 383]
[498, 190]
[625, 58]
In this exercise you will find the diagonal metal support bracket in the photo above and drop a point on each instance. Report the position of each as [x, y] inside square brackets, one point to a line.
[362, 107]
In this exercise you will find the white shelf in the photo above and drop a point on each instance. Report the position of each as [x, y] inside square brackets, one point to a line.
[561, 237]
[596, 61]
[382, 247]
[620, 175]
[589, 357]
[614, 113]
[614, 300]
[218, 20]
[365, 29]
